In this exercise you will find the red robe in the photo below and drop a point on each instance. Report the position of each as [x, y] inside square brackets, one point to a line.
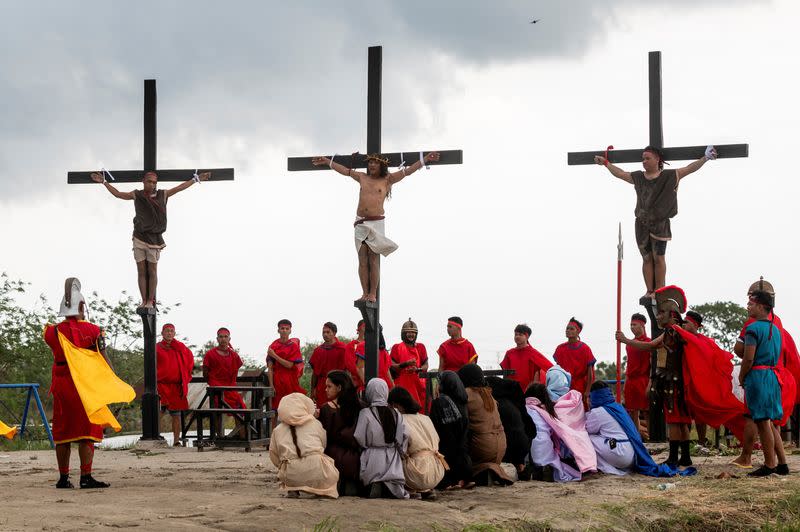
[175, 364]
[285, 380]
[455, 353]
[408, 377]
[384, 362]
[526, 363]
[577, 360]
[351, 364]
[637, 375]
[222, 371]
[324, 359]
[70, 422]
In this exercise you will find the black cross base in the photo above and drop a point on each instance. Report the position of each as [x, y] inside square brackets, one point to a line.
[150, 398]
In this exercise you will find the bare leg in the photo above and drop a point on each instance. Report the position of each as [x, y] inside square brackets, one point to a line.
[745, 458]
[86, 453]
[648, 271]
[635, 418]
[779, 450]
[660, 271]
[702, 431]
[363, 270]
[152, 281]
[63, 450]
[141, 272]
[374, 275]
[176, 430]
[767, 442]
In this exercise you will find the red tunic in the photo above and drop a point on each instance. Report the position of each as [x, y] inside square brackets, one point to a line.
[408, 377]
[637, 375]
[70, 422]
[526, 363]
[577, 360]
[285, 380]
[175, 364]
[456, 353]
[324, 359]
[222, 370]
[384, 362]
[351, 364]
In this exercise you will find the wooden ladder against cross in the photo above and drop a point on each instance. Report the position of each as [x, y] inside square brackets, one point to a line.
[371, 311]
[150, 399]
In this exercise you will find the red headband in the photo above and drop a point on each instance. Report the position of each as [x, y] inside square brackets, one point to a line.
[151, 173]
[167, 326]
[639, 321]
[455, 323]
[575, 324]
[689, 318]
[222, 330]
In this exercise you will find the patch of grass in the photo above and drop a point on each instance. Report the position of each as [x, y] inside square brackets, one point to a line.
[326, 525]
[18, 444]
[511, 525]
[382, 526]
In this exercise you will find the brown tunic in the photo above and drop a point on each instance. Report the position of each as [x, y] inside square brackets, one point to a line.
[656, 202]
[487, 440]
[150, 221]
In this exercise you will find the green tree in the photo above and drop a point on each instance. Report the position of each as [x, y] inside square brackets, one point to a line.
[607, 371]
[722, 321]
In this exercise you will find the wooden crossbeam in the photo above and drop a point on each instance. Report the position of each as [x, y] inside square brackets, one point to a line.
[683, 153]
[303, 164]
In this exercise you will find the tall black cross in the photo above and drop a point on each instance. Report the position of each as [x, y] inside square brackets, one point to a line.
[371, 311]
[683, 153]
[150, 399]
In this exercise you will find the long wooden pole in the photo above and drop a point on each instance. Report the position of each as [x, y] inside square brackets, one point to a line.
[619, 313]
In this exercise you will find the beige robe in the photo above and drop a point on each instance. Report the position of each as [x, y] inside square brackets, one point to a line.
[487, 439]
[423, 465]
[313, 471]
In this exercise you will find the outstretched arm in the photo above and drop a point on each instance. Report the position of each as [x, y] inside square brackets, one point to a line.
[205, 176]
[637, 344]
[97, 177]
[711, 153]
[394, 177]
[342, 169]
[615, 170]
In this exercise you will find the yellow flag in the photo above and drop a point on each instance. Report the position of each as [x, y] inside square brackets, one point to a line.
[97, 384]
[8, 432]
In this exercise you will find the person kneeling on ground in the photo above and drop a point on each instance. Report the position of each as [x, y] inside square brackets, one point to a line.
[383, 437]
[297, 449]
[423, 465]
[559, 452]
[609, 422]
[517, 424]
[449, 416]
[339, 416]
[487, 440]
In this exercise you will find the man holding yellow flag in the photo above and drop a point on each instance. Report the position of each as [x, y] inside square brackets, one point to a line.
[83, 386]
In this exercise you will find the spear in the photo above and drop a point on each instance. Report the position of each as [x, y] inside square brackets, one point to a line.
[619, 313]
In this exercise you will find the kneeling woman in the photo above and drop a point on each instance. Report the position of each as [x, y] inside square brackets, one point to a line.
[338, 416]
[297, 448]
[613, 447]
[423, 465]
[383, 437]
[566, 451]
[487, 439]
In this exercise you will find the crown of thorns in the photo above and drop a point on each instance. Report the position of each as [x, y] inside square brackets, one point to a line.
[378, 157]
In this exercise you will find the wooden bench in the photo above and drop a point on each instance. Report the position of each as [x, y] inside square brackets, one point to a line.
[256, 419]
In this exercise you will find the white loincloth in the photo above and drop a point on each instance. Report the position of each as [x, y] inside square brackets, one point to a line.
[373, 233]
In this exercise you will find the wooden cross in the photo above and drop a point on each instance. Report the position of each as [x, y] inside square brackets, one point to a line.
[150, 399]
[371, 311]
[683, 153]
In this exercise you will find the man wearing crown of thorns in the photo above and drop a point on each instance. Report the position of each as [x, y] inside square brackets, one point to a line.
[376, 186]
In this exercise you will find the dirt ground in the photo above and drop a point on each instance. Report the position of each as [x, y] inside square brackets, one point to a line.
[181, 489]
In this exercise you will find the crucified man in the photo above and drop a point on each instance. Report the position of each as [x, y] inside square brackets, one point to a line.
[149, 225]
[376, 186]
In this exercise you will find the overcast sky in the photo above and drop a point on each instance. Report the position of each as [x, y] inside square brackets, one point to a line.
[512, 235]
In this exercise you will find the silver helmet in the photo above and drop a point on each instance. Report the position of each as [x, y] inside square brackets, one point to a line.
[70, 303]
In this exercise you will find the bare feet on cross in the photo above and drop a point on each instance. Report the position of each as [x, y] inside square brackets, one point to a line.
[371, 298]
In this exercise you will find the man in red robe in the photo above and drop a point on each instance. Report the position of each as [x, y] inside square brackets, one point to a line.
[577, 359]
[70, 422]
[789, 364]
[408, 358]
[529, 365]
[328, 356]
[283, 359]
[221, 367]
[175, 364]
[350, 359]
[457, 351]
[637, 372]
